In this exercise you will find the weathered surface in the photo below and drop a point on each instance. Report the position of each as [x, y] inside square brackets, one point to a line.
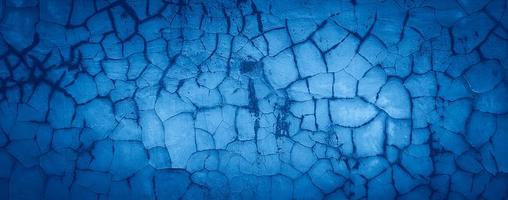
[248, 99]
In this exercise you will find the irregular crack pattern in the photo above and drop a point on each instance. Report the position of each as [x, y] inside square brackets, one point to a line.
[251, 99]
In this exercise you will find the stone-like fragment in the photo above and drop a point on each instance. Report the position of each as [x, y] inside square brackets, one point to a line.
[500, 145]
[369, 139]
[374, 50]
[450, 141]
[382, 186]
[494, 47]
[198, 95]
[370, 167]
[99, 24]
[452, 89]
[102, 153]
[484, 76]
[58, 163]
[480, 128]
[281, 187]
[21, 26]
[278, 40]
[128, 158]
[245, 122]
[344, 140]
[390, 23]
[234, 92]
[305, 189]
[493, 101]
[321, 85]
[81, 10]
[403, 181]
[65, 138]
[123, 22]
[351, 112]
[322, 176]
[421, 85]
[26, 183]
[299, 91]
[358, 67]
[83, 89]
[329, 35]
[116, 69]
[97, 115]
[55, 11]
[151, 129]
[416, 159]
[398, 132]
[339, 57]
[24, 152]
[280, 70]
[302, 157]
[159, 158]
[470, 31]
[61, 110]
[322, 114]
[178, 181]
[169, 105]
[344, 85]
[309, 60]
[456, 114]
[97, 182]
[180, 139]
[371, 83]
[300, 28]
[394, 100]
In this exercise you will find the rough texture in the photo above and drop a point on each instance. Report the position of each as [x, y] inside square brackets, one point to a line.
[253, 99]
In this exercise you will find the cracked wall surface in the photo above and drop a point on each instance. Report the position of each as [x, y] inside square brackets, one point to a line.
[253, 99]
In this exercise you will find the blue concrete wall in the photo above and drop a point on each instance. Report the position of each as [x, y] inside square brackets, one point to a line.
[253, 99]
